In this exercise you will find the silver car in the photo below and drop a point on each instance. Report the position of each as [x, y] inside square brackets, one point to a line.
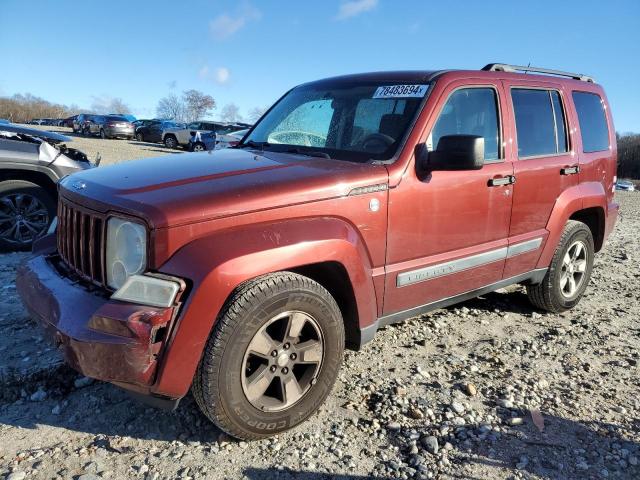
[180, 136]
[31, 163]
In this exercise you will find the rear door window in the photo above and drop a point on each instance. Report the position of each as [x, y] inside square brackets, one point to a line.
[593, 122]
[540, 122]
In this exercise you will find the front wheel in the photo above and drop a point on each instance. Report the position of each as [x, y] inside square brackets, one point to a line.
[140, 137]
[569, 272]
[198, 147]
[26, 211]
[103, 135]
[272, 357]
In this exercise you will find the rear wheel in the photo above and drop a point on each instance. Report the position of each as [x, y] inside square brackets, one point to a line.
[26, 211]
[199, 147]
[569, 272]
[102, 134]
[272, 357]
[170, 141]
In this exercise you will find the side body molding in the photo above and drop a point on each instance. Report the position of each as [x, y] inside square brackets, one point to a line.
[217, 264]
[582, 196]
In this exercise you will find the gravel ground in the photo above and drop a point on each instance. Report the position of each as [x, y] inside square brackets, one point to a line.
[490, 389]
[110, 150]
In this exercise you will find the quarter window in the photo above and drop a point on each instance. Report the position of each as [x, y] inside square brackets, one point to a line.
[540, 122]
[470, 111]
[593, 122]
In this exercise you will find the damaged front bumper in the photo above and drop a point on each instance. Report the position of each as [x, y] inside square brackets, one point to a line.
[106, 339]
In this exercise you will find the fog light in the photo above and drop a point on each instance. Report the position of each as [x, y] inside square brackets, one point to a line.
[146, 290]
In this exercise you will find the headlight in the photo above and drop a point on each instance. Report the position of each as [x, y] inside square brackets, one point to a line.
[146, 290]
[126, 251]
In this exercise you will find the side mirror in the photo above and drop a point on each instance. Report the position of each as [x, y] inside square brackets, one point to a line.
[453, 152]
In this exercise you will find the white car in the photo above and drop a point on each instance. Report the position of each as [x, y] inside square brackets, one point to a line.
[230, 139]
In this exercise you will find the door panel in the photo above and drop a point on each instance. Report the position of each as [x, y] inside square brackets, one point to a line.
[448, 231]
[540, 179]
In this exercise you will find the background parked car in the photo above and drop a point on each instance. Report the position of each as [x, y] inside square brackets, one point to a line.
[109, 126]
[201, 141]
[625, 185]
[230, 139]
[68, 122]
[80, 121]
[175, 137]
[31, 163]
[153, 131]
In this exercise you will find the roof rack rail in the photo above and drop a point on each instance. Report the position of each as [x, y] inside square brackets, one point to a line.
[505, 67]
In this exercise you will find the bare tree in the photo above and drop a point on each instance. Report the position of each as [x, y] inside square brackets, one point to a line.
[255, 113]
[171, 107]
[230, 113]
[198, 104]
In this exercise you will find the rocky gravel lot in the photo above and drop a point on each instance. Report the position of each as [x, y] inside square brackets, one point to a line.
[490, 389]
[110, 150]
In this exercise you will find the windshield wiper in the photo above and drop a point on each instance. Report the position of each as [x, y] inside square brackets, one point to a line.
[252, 144]
[308, 153]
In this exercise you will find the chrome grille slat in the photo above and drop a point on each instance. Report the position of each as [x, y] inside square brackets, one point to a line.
[80, 240]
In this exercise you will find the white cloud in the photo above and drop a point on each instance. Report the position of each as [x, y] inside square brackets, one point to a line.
[220, 75]
[225, 24]
[351, 8]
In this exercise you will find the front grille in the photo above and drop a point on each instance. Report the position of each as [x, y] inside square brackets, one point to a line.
[81, 241]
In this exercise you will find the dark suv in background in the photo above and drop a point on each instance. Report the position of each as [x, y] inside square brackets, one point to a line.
[109, 126]
[153, 130]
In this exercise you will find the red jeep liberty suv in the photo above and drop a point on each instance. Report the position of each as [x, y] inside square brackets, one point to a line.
[353, 203]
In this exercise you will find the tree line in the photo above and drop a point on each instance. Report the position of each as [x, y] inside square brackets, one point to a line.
[629, 156]
[192, 105]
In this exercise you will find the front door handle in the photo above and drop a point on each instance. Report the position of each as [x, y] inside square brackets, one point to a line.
[497, 182]
[570, 170]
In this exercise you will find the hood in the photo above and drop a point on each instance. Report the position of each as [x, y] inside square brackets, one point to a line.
[181, 189]
[34, 132]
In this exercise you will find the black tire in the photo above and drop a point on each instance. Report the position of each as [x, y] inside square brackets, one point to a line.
[103, 135]
[549, 294]
[32, 194]
[139, 137]
[170, 141]
[198, 147]
[218, 382]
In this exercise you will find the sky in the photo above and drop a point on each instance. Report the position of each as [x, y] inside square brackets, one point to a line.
[250, 52]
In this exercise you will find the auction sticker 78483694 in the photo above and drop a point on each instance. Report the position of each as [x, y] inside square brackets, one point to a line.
[400, 91]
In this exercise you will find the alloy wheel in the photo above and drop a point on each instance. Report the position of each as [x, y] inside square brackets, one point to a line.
[574, 266]
[23, 218]
[282, 361]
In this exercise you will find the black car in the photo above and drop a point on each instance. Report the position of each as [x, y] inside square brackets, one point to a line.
[80, 121]
[152, 131]
[31, 163]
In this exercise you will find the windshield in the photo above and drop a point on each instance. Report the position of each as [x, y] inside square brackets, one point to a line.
[347, 122]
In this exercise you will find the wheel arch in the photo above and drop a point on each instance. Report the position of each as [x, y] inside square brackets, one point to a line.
[215, 266]
[46, 180]
[586, 202]
[594, 218]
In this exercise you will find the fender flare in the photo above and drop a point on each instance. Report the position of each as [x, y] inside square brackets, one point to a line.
[217, 264]
[573, 199]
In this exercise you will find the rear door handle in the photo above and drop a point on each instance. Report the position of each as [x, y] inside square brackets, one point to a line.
[497, 182]
[570, 170]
